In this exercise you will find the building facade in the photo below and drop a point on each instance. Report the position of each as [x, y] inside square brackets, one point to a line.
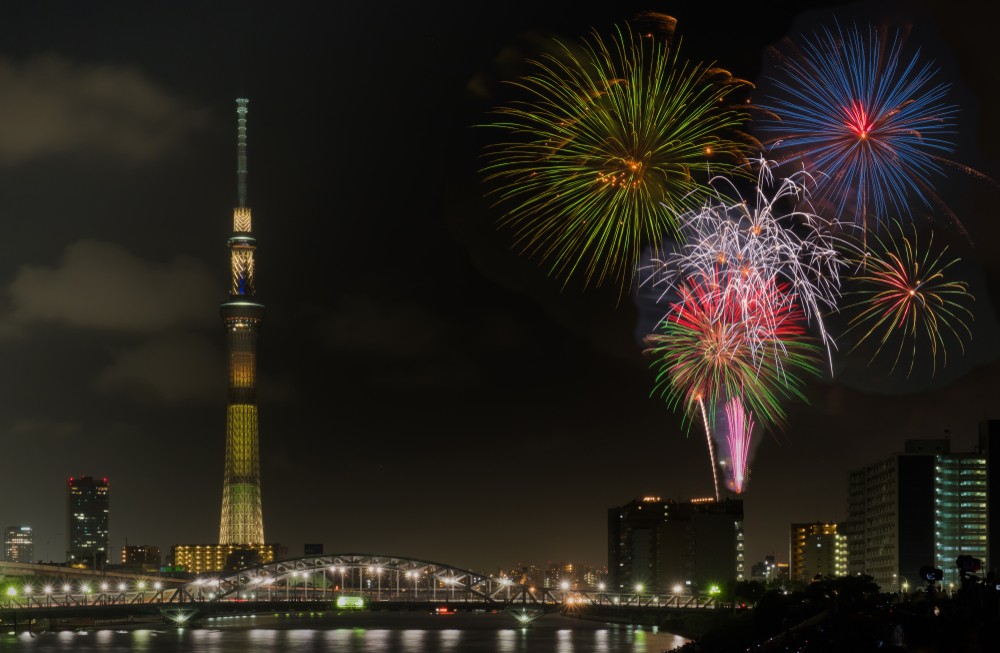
[659, 545]
[242, 520]
[143, 557]
[208, 558]
[925, 506]
[19, 544]
[816, 549]
[960, 511]
[88, 521]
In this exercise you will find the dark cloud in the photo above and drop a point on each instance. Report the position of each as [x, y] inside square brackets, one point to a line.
[99, 285]
[45, 428]
[415, 346]
[174, 369]
[366, 326]
[53, 106]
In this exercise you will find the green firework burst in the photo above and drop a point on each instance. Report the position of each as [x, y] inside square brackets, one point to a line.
[613, 140]
[702, 356]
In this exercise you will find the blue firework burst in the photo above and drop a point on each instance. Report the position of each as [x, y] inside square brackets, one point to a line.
[869, 122]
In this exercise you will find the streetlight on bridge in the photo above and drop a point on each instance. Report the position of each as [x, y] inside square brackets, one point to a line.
[412, 576]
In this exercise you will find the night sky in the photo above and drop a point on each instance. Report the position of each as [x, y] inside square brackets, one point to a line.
[424, 390]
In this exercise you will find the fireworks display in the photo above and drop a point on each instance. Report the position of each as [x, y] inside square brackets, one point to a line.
[739, 432]
[610, 133]
[702, 354]
[620, 145]
[869, 122]
[756, 244]
[905, 300]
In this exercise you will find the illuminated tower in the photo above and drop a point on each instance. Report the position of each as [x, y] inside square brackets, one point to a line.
[242, 521]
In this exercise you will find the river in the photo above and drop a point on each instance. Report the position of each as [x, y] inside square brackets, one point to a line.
[370, 632]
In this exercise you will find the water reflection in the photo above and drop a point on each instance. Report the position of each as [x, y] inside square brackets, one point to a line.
[450, 639]
[564, 641]
[413, 641]
[262, 639]
[506, 641]
[383, 634]
[377, 641]
[639, 639]
[601, 642]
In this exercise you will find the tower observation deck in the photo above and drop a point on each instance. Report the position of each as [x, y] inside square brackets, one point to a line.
[242, 519]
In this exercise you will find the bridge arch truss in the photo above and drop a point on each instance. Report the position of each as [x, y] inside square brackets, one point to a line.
[373, 577]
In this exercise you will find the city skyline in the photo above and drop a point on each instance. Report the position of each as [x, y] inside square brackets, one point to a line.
[425, 391]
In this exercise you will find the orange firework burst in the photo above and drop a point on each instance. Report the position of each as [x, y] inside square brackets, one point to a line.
[907, 298]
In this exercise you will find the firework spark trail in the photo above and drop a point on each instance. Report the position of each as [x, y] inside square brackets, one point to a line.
[606, 135]
[754, 245]
[905, 295]
[711, 448]
[872, 124]
[739, 434]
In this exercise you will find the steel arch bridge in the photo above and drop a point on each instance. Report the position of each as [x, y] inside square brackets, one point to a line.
[374, 577]
[398, 579]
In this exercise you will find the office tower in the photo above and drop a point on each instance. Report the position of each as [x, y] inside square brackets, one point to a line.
[19, 544]
[816, 549]
[242, 521]
[88, 500]
[659, 544]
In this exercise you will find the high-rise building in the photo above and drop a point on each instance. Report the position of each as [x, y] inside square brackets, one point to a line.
[926, 506]
[989, 447]
[242, 520]
[88, 501]
[890, 528]
[816, 549]
[660, 544]
[19, 544]
[960, 511]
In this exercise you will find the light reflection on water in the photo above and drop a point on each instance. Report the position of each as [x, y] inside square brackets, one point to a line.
[564, 641]
[383, 634]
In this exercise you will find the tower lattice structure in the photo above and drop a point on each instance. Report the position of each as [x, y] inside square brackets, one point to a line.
[242, 518]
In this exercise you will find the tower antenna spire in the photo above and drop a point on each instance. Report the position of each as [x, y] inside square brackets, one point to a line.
[241, 151]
